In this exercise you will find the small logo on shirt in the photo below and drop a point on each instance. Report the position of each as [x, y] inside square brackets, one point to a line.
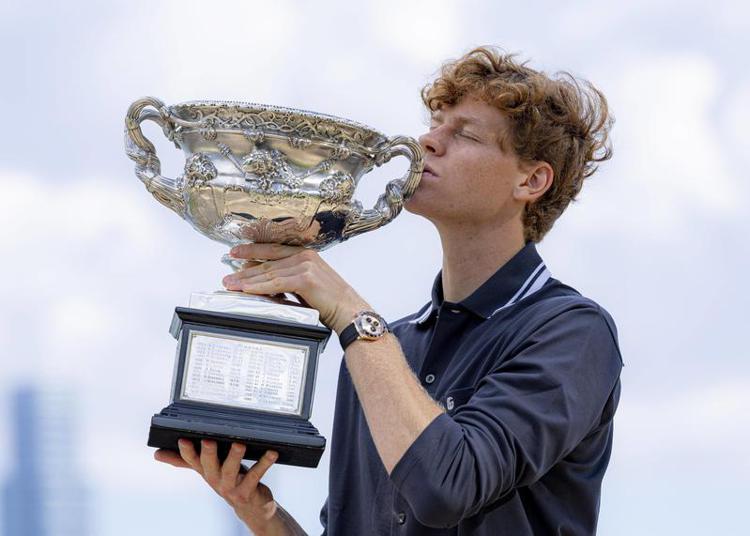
[449, 403]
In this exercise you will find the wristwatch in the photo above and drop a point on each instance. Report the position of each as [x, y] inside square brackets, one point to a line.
[367, 326]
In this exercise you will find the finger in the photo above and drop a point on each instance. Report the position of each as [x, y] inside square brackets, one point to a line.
[232, 281]
[210, 461]
[270, 275]
[231, 466]
[263, 251]
[251, 480]
[187, 452]
[276, 285]
[171, 457]
[251, 264]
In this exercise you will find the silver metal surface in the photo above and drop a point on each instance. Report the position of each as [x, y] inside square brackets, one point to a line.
[258, 173]
[248, 304]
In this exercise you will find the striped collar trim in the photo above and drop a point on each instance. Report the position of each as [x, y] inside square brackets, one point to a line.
[522, 276]
[533, 284]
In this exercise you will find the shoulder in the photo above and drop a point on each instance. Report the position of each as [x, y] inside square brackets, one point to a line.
[560, 312]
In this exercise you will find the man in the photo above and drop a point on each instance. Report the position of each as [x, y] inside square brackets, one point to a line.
[489, 411]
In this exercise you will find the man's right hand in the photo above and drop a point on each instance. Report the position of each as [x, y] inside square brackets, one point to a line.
[252, 501]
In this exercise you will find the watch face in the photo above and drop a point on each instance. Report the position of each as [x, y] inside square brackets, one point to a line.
[370, 325]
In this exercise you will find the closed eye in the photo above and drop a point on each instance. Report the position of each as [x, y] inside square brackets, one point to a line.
[468, 136]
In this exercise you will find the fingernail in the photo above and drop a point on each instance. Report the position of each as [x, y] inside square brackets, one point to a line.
[234, 251]
[272, 456]
[229, 280]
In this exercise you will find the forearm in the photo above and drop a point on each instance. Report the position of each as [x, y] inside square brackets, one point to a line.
[280, 524]
[395, 405]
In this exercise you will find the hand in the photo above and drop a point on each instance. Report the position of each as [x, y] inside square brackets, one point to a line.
[252, 501]
[302, 272]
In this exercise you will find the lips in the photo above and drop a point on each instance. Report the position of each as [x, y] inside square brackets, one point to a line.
[428, 170]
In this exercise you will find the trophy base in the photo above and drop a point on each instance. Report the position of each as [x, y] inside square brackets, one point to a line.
[296, 441]
[245, 379]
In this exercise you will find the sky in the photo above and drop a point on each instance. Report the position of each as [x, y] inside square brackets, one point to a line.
[93, 266]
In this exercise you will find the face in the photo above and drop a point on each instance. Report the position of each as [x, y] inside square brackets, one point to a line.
[468, 178]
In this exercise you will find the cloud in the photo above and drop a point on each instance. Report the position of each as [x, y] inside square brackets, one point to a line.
[669, 171]
[735, 117]
[705, 427]
[424, 31]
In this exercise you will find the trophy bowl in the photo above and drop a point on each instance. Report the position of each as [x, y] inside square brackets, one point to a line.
[260, 173]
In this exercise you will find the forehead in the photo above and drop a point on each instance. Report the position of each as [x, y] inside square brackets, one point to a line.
[474, 112]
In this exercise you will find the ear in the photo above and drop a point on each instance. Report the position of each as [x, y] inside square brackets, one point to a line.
[538, 177]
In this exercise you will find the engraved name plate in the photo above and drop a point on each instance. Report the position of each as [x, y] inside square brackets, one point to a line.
[253, 374]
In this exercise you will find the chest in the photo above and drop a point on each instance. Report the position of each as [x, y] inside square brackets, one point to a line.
[453, 352]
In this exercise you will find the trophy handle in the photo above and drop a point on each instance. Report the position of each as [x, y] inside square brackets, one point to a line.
[397, 192]
[147, 166]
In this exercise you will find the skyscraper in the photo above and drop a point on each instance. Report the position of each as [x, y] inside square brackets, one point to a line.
[44, 494]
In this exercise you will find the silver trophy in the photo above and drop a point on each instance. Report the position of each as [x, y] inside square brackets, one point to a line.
[245, 366]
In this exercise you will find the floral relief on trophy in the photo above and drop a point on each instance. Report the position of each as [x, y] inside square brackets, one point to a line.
[285, 122]
[254, 136]
[199, 170]
[208, 131]
[341, 152]
[299, 142]
[338, 187]
[269, 167]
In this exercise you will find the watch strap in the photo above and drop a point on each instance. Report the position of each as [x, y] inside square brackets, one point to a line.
[348, 335]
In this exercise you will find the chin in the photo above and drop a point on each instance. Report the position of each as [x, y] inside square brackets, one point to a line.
[415, 204]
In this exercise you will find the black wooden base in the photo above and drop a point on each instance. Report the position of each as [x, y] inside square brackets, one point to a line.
[297, 442]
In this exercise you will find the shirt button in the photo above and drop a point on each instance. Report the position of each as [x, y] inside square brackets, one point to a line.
[401, 518]
[455, 311]
[430, 378]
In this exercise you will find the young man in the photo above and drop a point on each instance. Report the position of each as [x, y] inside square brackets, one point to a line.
[489, 411]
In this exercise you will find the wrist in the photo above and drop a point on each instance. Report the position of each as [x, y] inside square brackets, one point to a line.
[275, 526]
[346, 313]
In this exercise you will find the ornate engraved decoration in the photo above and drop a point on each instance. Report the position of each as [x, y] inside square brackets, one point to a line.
[341, 152]
[199, 169]
[299, 143]
[281, 121]
[254, 136]
[338, 187]
[269, 167]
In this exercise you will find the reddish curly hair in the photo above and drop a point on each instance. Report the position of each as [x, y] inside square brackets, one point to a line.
[559, 120]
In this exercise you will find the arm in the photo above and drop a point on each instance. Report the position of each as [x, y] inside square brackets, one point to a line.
[525, 416]
[252, 501]
[395, 405]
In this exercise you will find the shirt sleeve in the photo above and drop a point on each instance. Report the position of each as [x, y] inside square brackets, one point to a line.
[324, 518]
[535, 407]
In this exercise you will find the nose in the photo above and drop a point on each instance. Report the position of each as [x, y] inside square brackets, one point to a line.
[431, 142]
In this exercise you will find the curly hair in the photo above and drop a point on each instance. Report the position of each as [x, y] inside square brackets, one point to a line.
[559, 120]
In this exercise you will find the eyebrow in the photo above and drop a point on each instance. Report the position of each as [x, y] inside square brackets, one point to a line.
[462, 120]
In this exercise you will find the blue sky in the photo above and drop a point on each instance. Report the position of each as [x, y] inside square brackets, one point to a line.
[93, 266]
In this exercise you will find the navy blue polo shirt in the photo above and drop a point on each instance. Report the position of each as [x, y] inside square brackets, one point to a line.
[528, 371]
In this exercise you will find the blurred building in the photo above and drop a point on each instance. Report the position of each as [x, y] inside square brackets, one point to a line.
[44, 493]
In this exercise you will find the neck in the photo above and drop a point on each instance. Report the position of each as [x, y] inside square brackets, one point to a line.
[471, 254]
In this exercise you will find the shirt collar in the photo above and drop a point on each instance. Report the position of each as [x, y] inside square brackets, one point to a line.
[515, 280]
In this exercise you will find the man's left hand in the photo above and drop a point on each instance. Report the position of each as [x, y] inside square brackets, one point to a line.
[275, 269]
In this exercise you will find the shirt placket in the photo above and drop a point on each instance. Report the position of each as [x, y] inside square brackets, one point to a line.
[448, 325]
